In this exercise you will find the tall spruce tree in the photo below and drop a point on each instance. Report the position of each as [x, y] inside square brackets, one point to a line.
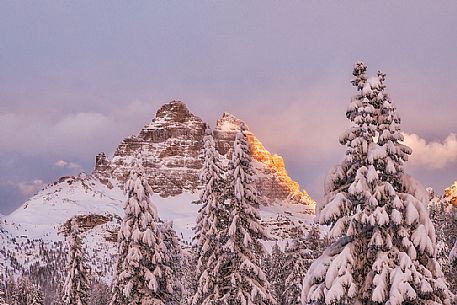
[444, 216]
[247, 282]
[2, 285]
[453, 255]
[385, 247]
[174, 260]
[12, 296]
[23, 292]
[299, 255]
[276, 274]
[100, 293]
[76, 286]
[141, 275]
[212, 224]
[35, 296]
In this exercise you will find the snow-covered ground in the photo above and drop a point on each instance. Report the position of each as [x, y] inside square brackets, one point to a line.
[41, 217]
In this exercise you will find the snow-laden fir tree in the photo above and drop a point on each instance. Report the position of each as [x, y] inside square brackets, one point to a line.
[2, 285]
[276, 274]
[189, 279]
[211, 228]
[23, 292]
[36, 296]
[443, 215]
[453, 255]
[2, 298]
[141, 275]
[100, 293]
[76, 286]
[12, 296]
[173, 259]
[384, 251]
[299, 255]
[248, 283]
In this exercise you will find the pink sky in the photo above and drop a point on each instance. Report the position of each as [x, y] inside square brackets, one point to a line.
[77, 77]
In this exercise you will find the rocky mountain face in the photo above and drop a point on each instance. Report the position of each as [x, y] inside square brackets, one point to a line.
[173, 148]
[450, 194]
[172, 144]
[273, 182]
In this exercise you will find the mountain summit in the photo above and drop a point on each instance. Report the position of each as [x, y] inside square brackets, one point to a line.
[173, 146]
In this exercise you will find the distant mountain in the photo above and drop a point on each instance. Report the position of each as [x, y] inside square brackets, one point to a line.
[173, 145]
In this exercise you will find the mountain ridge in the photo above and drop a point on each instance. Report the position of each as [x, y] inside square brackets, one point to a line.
[173, 145]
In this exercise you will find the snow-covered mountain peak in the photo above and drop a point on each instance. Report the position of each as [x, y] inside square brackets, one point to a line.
[270, 166]
[174, 112]
[229, 123]
[172, 146]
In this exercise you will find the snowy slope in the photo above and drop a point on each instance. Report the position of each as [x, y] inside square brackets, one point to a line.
[41, 215]
[40, 220]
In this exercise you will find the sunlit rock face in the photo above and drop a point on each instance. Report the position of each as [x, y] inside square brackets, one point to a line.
[172, 145]
[273, 182]
[450, 194]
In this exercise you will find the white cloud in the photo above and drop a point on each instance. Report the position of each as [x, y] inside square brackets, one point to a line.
[434, 155]
[30, 188]
[75, 135]
[65, 164]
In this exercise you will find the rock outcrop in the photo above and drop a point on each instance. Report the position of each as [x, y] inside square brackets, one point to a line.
[172, 147]
[450, 194]
[273, 182]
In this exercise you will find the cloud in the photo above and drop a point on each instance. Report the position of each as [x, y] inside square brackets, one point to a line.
[30, 188]
[65, 164]
[433, 155]
[77, 135]
[26, 188]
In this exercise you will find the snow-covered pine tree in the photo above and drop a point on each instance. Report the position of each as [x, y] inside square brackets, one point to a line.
[76, 286]
[12, 296]
[277, 274]
[23, 292]
[141, 276]
[343, 174]
[385, 247]
[299, 255]
[2, 285]
[248, 283]
[189, 280]
[453, 255]
[35, 297]
[100, 293]
[413, 245]
[211, 228]
[173, 259]
[2, 297]
[442, 214]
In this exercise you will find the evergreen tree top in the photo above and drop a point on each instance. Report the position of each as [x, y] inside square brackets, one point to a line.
[384, 251]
